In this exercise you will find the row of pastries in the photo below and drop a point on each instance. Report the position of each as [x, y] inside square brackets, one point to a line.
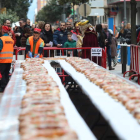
[42, 116]
[118, 88]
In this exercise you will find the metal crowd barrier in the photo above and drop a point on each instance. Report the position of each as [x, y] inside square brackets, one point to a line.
[63, 52]
[135, 62]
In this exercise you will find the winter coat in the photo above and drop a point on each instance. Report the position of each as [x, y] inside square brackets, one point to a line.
[59, 37]
[47, 36]
[128, 36]
[77, 32]
[109, 38]
[25, 34]
[113, 47]
[70, 44]
[138, 30]
[101, 41]
[13, 36]
[18, 38]
[123, 35]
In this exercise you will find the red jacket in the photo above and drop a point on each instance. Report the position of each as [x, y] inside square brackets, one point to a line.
[0, 76]
[13, 36]
[77, 32]
[58, 29]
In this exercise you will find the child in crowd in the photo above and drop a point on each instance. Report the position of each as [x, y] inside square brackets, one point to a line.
[113, 49]
[70, 44]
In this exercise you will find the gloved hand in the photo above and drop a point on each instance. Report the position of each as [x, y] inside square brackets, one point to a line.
[37, 56]
[30, 55]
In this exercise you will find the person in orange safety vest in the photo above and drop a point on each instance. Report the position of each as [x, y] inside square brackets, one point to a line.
[34, 45]
[6, 56]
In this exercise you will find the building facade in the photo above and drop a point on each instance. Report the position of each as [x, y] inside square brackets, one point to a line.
[99, 5]
[41, 4]
[118, 15]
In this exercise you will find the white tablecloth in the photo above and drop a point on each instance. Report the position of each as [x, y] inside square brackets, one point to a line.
[76, 122]
[122, 122]
[10, 105]
[11, 102]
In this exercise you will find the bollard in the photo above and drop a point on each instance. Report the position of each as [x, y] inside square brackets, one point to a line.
[124, 57]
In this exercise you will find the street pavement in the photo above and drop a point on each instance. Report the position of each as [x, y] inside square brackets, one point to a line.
[1, 95]
[118, 71]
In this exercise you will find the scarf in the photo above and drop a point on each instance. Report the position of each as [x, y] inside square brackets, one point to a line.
[49, 35]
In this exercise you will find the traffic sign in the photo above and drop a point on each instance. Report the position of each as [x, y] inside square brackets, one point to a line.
[97, 12]
[84, 10]
[96, 51]
[97, 3]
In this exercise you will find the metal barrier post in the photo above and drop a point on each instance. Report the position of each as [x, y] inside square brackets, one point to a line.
[124, 57]
[62, 52]
[49, 54]
[16, 53]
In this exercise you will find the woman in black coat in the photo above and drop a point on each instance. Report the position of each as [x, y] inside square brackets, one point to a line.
[101, 36]
[47, 36]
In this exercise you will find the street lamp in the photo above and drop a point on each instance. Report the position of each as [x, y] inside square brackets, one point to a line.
[125, 20]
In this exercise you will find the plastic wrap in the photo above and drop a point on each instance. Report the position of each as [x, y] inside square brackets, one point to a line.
[11, 102]
[10, 105]
[122, 122]
[76, 122]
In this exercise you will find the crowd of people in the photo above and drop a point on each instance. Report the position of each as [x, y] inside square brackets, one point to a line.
[67, 35]
[124, 35]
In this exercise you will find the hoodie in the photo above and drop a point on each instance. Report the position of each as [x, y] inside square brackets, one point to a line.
[70, 44]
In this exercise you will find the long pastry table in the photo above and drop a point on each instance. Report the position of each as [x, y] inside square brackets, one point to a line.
[11, 102]
[10, 105]
[121, 121]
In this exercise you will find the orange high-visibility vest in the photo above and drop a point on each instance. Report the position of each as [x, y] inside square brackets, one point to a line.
[6, 54]
[31, 42]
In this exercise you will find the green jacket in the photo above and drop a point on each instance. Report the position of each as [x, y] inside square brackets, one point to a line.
[70, 44]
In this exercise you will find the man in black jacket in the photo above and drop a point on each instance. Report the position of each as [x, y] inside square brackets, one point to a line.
[60, 37]
[19, 33]
[22, 30]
